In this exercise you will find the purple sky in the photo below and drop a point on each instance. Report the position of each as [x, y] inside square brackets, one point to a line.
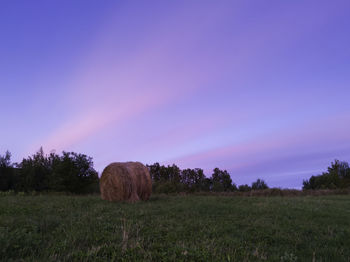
[260, 88]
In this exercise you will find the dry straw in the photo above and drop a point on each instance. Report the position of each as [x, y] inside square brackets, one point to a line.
[129, 181]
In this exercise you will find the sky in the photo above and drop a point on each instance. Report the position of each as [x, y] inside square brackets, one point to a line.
[259, 88]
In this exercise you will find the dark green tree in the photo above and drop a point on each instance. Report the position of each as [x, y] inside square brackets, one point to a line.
[338, 176]
[165, 179]
[207, 184]
[34, 173]
[160, 173]
[259, 185]
[74, 173]
[7, 179]
[193, 179]
[244, 188]
[221, 181]
[71, 172]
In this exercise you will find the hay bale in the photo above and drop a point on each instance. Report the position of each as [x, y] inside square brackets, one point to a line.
[129, 181]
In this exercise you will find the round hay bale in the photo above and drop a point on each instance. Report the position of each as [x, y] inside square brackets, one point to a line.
[129, 181]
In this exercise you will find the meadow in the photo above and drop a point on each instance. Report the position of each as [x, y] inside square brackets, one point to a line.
[175, 228]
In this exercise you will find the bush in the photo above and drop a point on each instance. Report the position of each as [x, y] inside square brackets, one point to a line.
[167, 187]
[244, 188]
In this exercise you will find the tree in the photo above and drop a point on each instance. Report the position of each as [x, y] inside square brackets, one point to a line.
[221, 181]
[74, 173]
[7, 179]
[154, 171]
[5, 161]
[259, 185]
[34, 173]
[173, 174]
[207, 184]
[173, 179]
[338, 176]
[165, 179]
[71, 172]
[162, 173]
[193, 179]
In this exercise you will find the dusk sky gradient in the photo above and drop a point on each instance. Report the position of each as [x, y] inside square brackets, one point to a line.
[259, 88]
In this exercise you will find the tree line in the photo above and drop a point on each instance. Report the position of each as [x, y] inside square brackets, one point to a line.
[74, 173]
[68, 172]
[171, 179]
[337, 176]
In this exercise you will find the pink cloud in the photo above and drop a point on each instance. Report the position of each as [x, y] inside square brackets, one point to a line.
[109, 87]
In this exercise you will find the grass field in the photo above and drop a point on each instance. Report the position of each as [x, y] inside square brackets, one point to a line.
[175, 228]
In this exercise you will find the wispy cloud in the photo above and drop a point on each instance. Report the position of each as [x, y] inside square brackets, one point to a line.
[110, 90]
[314, 141]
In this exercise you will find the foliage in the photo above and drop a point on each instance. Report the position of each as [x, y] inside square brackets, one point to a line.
[338, 176]
[222, 181]
[74, 173]
[171, 179]
[164, 174]
[70, 172]
[165, 179]
[7, 177]
[5, 161]
[244, 188]
[194, 180]
[259, 185]
[175, 228]
[35, 172]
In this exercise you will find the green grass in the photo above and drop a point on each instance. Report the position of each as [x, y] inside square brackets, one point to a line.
[175, 228]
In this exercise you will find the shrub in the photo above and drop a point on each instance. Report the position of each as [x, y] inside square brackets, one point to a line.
[244, 188]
